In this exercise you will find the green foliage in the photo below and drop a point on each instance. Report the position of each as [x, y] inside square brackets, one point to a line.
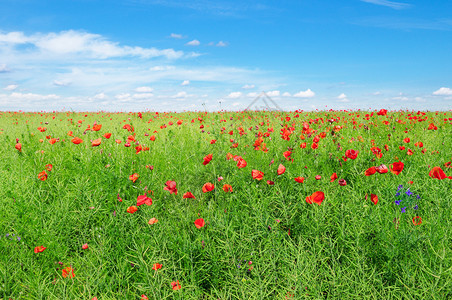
[260, 242]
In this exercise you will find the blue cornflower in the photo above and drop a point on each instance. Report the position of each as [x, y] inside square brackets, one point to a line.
[415, 207]
[18, 238]
[408, 192]
[7, 235]
[404, 209]
[397, 202]
[417, 196]
[399, 187]
[398, 194]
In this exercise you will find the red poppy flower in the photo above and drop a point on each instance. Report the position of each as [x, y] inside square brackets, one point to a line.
[53, 141]
[227, 188]
[207, 187]
[42, 176]
[241, 163]
[269, 182]
[437, 173]
[402, 148]
[406, 140]
[287, 154]
[18, 147]
[318, 177]
[144, 297]
[281, 169]
[299, 179]
[138, 149]
[175, 285]
[316, 139]
[97, 127]
[382, 169]
[49, 167]
[207, 159]
[171, 187]
[199, 223]
[188, 195]
[107, 135]
[397, 167]
[303, 145]
[333, 177]
[68, 271]
[134, 177]
[257, 174]
[128, 127]
[143, 199]
[382, 112]
[409, 152]
[432, 127]
[152, 221]
[417, 220]
[377, 152]
[96, 142]
[373, 198]
[316, 197]
[342, 182]
[352, 154]
[132, 209]
[85, 246]
[370, 171]
[314, 146]
[213, 142]
[39, 249]
[155, 267]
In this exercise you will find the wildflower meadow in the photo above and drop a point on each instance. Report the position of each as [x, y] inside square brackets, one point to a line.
[226, 205]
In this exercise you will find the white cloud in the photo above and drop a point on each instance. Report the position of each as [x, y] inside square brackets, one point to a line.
[144, 89]
[286, 94]
[377, 93]
[100, 96]
[305, 94]
[185, 82]
[31, 96]
[221, 44]
[193, 43]
[252, 95]
[176, 36]
[234, 95]
[3, 68]
[11, 87]
[273, 93]
[122, 96]
[180, 95]
[61, 82]
[142, 96]
[401, 98]
[162, 68]
[86, 44]
[14, 38]
[342, 96]
[444, 91]
[248, 86]
[391, 4]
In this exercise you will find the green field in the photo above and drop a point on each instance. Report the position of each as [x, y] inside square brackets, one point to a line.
[262, 240]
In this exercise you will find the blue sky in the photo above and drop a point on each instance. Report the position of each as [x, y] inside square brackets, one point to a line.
[174, 55]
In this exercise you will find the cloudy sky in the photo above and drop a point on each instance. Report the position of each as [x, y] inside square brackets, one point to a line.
[175, 55]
